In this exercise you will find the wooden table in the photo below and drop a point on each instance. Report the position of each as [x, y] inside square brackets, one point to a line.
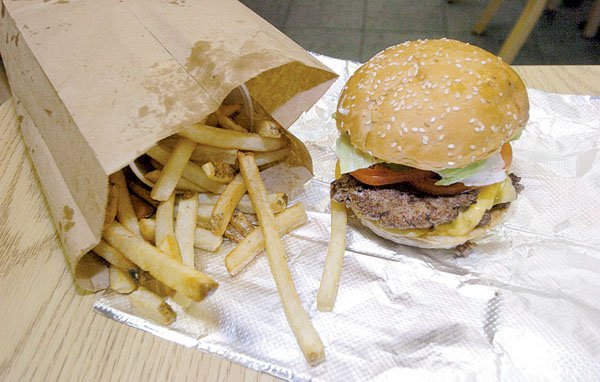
[40, 338]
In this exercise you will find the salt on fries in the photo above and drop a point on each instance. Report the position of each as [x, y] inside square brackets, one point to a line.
[307, 337]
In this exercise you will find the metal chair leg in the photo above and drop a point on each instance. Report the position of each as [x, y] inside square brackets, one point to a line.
[593, 21]
[486, 16]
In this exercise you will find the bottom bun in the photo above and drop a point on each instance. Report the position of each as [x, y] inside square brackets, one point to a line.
[433, 241]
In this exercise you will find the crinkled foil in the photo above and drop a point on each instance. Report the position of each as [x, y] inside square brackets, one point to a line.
[523, 306]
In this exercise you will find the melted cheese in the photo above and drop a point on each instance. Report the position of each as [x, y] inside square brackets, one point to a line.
[466, 221]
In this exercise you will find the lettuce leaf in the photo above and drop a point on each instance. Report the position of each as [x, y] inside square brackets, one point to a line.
[455, 175]
[350, 158]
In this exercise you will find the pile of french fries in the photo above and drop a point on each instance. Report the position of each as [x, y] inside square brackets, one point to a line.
[205, 186]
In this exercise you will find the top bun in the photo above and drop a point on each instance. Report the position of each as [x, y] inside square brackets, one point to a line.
[433, 104]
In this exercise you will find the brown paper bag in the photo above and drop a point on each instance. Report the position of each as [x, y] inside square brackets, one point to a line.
[99, 82]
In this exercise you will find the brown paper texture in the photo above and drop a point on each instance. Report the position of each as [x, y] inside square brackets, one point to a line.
[99, 82]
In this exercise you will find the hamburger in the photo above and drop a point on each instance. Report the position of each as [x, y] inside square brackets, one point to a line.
[424, 152]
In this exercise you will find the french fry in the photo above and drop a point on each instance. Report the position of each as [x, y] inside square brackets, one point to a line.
[205, 213]
[233, 234]
[141, 207]
[228, 123]
[204, 153]
[277, 202]
[266, 128]
[253, 244]
[191, 171]
[112, 205]
[152, 306]
[144, 279]
[204, 224]
[219, 171]
[211, 120]
[142, 192]
[230, 139]
[268, 157]
[164, 235]
[203, 237]
[120, 280]
[185, 227]
[307, 337]
[334, 261]
[182, 184]
[125, 212]
[206, 240]
[148, 229]
[188, 281]
[172, 170]
[240, 222]
[114, 257]
[228, 200]
[229, 110]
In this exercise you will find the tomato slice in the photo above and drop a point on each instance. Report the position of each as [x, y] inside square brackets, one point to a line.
[428, 186]
[506, 154]
[379, 175]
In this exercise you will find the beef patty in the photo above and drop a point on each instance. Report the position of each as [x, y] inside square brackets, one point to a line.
[399, 205]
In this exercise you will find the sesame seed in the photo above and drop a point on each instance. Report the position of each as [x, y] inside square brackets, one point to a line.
[382, 135]
[405, 129]
[432, 119]
[451, 146]
[387, 126]
[456, 108]
[440, 128]
[399, 148]
[394, 144]
[450, 163]
[471, 120]
[414, 129]
[446, 91]
[440, 137]
[450, 154]
[421, 130]
[425, 139]
[457, 95]
[472, 147]
[393, 118]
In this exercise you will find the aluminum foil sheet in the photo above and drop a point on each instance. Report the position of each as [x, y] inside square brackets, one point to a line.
[523, 306]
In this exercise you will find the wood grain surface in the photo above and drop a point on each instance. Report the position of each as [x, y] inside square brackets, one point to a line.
[49, 332]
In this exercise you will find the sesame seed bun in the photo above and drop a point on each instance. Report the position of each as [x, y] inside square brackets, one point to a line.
[433, 105]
